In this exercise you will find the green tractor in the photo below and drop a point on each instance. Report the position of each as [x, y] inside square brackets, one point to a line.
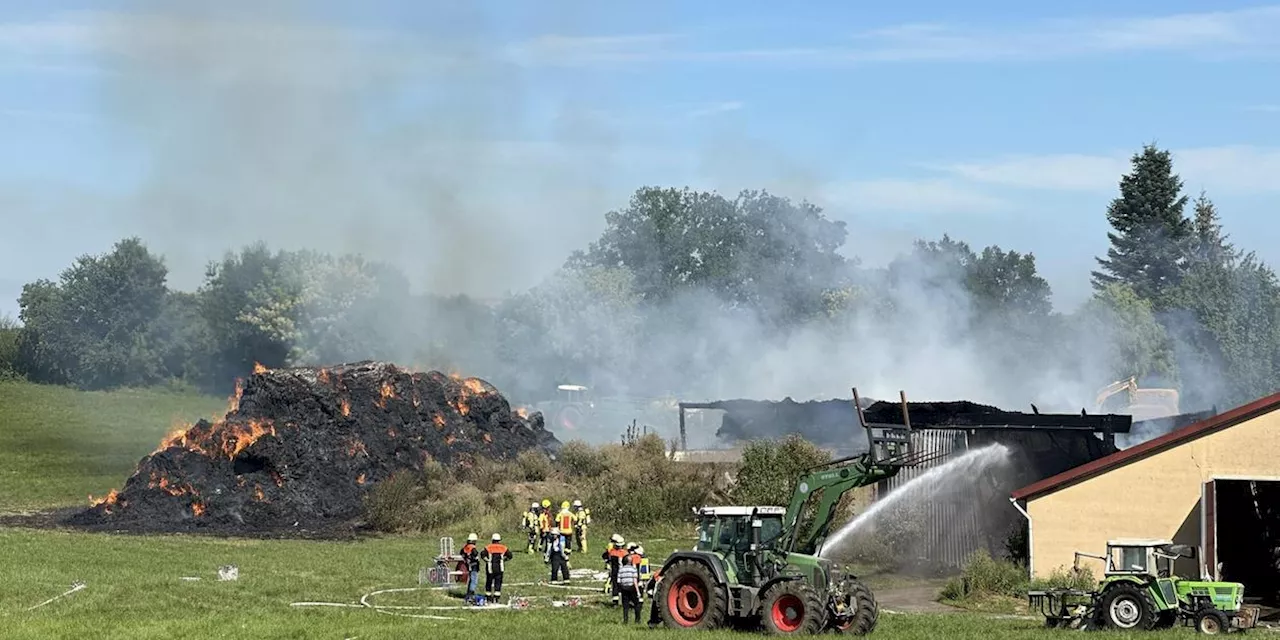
[1139, 591]
[759, 565]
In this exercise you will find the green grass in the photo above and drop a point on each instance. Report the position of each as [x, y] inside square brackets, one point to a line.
[58, 445]
[134, 590]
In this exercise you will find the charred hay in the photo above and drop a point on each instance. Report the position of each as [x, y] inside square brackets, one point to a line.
[832, 422]
[300, 448]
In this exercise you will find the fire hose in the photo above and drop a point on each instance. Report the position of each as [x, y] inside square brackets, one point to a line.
[400, 610]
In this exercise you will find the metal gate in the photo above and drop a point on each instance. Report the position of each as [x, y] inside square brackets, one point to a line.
[951, 531]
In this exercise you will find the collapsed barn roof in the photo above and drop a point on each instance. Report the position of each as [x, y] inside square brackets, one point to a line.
[834, 421]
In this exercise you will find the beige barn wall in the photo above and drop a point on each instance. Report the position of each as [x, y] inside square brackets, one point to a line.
[1157, 496]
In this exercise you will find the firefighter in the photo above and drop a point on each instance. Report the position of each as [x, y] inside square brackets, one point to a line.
[545, 522]
[612, 557]
[564, 522]
[581, 518]
[495, 556]
[471, 555]
[651, 588]
[558, 555]
[640, 562]
[530, 525]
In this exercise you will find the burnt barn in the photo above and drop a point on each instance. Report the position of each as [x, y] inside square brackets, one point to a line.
[1213, 484]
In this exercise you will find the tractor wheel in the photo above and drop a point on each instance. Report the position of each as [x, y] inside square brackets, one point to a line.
[1167, 619]
[1128, 607]
[1211, 621]
[793, 607]
[866, 612]
[689, 598]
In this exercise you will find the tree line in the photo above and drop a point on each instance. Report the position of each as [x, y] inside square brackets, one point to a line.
[680, 283]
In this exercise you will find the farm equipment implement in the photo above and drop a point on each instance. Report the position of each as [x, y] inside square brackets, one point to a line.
[1139, 591]
[758, 565]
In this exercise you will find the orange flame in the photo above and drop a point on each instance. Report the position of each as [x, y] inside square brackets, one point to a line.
[360, 479]
[470, 388]
[488, 438]
[227, 438]
[258, 495]
[258, 368]
[439, 420]
[324, 376]
[346, 407]
[387, 392]
[197, 509]
[522, 412]
[109, 500]
[449, 439]
[160, 482]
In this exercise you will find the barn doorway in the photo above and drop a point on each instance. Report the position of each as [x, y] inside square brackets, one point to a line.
[1242, 536]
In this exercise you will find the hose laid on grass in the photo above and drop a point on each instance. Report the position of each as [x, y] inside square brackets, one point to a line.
[74, 588]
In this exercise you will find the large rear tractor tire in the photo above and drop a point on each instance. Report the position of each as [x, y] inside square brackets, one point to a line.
[689, 597]
[862, 603]
[1128, 607]
[793, 608]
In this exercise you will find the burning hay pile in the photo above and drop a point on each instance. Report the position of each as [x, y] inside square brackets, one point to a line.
[299, 448]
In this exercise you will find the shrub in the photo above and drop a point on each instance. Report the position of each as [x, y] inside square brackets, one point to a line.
[534, 466]
[986, 576]
[487, 474]
[437, 481]
[580, 460]
[642, 485]
[463, 508]
[392, 504]
[769, 469]
[1063, 578]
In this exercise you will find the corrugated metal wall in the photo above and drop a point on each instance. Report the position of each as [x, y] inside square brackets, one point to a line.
[951, 531]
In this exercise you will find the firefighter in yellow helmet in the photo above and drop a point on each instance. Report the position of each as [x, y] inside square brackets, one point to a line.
[581, 518]
[564, 522]
[545, 522]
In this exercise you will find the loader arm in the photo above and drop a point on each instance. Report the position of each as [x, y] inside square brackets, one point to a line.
[829, 484]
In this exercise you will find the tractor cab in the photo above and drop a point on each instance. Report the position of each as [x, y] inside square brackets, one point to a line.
[1149, 558]
[739, 533]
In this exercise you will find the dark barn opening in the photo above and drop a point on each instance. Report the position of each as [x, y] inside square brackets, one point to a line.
[1246, 525]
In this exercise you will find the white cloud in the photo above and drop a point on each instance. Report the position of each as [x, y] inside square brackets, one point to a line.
[1236, 168]
[1212, 33]
[715, 109]
[906, 196]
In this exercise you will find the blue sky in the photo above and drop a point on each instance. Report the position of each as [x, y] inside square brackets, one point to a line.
[476, 147]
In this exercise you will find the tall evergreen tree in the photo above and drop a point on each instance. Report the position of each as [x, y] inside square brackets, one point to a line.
[1210, 246]
[1151, 235]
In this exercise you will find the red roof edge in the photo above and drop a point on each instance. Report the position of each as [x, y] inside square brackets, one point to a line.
[1154, 445]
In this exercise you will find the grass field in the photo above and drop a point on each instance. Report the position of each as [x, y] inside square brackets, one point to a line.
[57, 446]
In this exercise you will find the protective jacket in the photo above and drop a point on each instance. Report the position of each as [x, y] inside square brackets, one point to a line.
[471, 554]
[496, 556]
[564, 520]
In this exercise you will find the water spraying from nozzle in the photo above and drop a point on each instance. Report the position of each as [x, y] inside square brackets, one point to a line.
[924, 487]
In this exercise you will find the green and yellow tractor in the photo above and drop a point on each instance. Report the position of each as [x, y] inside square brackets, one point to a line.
[1139, 591]
[759, 566]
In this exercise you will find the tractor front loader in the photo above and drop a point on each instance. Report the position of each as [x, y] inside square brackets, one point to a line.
[1139, 591]
[757, 566]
